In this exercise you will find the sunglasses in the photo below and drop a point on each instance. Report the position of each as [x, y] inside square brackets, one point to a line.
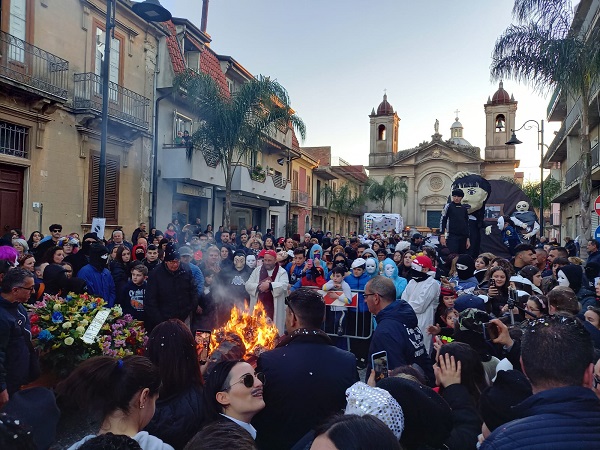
[248, 380]
[596, 381]
[56, 230]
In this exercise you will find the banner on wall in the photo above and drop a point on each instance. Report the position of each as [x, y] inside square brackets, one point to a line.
[380, 222]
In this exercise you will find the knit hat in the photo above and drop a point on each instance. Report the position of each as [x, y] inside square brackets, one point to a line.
[458, 193]
[496, 402]
[427, 416]
[447, 291]
[369, 252]
[574, 274]
[469, 301]
[364, 399]
[36, 408]
[171, 253]
[465, 266]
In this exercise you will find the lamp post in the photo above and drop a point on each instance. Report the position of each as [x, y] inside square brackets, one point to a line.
[528, 125]
[150, 11]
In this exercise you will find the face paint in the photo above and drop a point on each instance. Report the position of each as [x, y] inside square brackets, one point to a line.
[562, 279]
[251, 261]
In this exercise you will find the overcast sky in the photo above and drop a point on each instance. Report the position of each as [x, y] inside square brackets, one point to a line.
[336, 57]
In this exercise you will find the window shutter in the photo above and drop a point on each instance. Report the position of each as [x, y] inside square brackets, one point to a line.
[111, 193]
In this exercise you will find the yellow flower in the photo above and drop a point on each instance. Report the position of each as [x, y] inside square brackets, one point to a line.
[69, 341]
[84, 323]
[117, 311]
[80, 330]
[67, 325]
[57, 307]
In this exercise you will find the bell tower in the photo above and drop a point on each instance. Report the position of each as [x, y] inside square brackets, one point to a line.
[500, 113]
[384, 134]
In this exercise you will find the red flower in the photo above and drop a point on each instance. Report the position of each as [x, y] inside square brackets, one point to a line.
[130, 340]
[35, 330]
[34, 318]
[139, 352]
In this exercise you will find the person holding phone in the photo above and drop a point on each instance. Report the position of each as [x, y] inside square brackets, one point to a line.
[498, 290]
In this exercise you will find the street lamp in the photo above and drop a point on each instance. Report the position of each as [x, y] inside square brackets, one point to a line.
[528, 125]
[150, 11]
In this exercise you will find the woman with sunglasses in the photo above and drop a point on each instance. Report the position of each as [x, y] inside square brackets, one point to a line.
[232, 391]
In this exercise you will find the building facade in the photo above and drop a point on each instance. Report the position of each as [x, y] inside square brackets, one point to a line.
[428, 169]
[50, 110]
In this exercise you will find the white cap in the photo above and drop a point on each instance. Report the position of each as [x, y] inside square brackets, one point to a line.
[358, 262]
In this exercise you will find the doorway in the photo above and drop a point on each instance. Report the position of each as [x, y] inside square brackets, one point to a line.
[11, 196]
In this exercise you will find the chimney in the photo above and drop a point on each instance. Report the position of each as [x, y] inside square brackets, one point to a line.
[204, 16]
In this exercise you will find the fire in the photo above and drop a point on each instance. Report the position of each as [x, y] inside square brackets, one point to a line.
[257, 332]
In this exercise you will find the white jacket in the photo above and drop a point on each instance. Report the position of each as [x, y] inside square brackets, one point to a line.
[280, 289]
[424, 297]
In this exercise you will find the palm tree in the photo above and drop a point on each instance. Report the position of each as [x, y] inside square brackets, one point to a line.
[389, 188]
[233, 125]
[541, 49]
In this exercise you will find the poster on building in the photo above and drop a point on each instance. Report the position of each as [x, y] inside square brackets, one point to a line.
[98, 225]
[376, 223]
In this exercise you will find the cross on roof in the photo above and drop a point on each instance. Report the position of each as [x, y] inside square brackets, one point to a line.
[456, 112]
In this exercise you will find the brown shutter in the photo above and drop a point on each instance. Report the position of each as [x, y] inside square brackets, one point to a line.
[111, 194]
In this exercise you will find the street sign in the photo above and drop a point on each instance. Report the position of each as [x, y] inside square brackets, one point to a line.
[597, 205]
[597, 234]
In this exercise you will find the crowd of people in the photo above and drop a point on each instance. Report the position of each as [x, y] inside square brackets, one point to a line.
[487, 352]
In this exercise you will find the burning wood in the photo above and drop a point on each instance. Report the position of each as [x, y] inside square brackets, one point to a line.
[246, 334]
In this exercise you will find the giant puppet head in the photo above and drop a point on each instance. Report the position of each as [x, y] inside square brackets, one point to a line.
[476, 189]
[522, 206]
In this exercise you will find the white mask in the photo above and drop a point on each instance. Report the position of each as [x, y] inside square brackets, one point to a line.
[251, 261]
[522, 206]
[371, 266]
[562, 279]
[501, 223]
[389, 271]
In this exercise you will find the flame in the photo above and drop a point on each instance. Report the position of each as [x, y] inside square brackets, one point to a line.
[256, 330]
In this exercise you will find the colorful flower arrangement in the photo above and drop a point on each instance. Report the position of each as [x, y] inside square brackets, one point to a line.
[58, 325]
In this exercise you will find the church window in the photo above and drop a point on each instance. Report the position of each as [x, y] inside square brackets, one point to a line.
[381, 133]
[500, 123]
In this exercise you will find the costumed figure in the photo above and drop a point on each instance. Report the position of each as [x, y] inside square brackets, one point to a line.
[509, 235]
[527, 221]
[464, 282]
[423, 294]
[372, 267]
[390, 270]
[476, 190]
[233, 280]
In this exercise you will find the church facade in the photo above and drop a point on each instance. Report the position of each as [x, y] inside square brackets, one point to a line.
[428, 169]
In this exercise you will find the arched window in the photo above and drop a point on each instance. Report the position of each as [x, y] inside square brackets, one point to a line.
[381, 133]
[500, 123]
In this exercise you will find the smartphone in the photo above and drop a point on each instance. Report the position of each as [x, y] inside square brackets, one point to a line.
[203, 345]
[490, 331]
[492, 283]
[379, 363]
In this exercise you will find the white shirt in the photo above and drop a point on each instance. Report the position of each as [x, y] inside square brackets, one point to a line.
[246, 426]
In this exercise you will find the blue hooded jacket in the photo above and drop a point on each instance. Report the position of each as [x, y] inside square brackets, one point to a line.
[358, 284]
[399, 282]
[311, 254]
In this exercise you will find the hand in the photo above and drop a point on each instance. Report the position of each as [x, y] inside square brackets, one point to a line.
[524, 226]
[528, 235]
[488, 230]
[434, 329]
[468, 243]
[264, 286]
[371, 380]
[437, 345]
[317, 263]
[447, 371]
[503, 334]
[492, 292]
[3, 397]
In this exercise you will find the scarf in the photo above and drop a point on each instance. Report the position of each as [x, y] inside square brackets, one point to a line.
[266, 298]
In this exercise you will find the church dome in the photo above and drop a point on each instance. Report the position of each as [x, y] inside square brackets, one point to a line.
[500, 96]
[456, 133]
[384, 107]
[456, 124]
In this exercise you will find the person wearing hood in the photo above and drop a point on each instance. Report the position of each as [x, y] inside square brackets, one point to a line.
[572, 276]
[397, 331]
[465, 280]
[359, 319]
[316, 252]
[423, 294]
[97, 276]
[371, 266]
[80, 259]
[390, 270]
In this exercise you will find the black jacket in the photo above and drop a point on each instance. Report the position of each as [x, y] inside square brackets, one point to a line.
[178, 418]
[306, 382]
[458, 215]
[563, 418]
[15, 346]
[170, 295]
[465, 418]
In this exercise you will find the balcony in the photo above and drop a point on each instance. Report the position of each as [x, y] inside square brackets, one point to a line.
[125, 106]
[203, 169]
[300, 198]
[572, 174]
[32, 69]
[250, 181]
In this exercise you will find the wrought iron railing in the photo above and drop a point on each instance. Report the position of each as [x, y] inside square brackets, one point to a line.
[32, 66]
[572, 174]
[123, 104]
[595, 155]
[300, 197]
